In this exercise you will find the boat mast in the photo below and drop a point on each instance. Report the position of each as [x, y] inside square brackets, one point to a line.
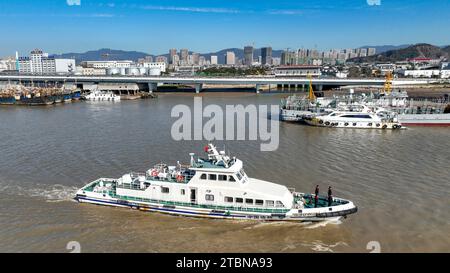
[388, 83]
[311, 96]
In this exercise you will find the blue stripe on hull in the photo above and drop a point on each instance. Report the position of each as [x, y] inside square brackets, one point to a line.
[164, 210]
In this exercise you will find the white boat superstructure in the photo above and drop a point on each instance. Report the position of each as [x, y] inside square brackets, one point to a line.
[214, 187]
[358, 117]
[97, 95]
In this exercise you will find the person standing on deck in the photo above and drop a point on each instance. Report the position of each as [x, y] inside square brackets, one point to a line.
[330, 196]
[316, 198]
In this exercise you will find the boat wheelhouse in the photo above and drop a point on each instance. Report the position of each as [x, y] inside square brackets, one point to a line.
[215, 187]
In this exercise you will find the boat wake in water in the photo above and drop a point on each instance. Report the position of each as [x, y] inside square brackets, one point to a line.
[50, 193]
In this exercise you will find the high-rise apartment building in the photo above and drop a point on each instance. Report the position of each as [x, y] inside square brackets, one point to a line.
[172, 54]
[214, 60]
[230, 58]
[266, 56]
[248, 55]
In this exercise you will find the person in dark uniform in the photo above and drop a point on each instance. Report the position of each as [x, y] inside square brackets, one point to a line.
[316, 198]
[330, 196]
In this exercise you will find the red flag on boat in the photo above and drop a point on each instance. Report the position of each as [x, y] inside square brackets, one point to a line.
[206, 148]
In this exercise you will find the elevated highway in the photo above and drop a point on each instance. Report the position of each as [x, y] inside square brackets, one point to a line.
[198, 82]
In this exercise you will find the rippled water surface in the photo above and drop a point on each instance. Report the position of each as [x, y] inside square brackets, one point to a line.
[398, 179]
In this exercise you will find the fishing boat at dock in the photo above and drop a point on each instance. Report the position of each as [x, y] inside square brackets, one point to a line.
[212, 187]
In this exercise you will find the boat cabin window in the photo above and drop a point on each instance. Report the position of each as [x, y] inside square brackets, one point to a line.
[249, 201]
[209, 197]
[203, 176]
[231, 178]
[357, 116]
[259, 202]
[279, 204]
[212, 177]
[239, 176]
[239, 200]
[164, 190]
[270, 203]
[183, 192]
[222, 177]
[228, 199]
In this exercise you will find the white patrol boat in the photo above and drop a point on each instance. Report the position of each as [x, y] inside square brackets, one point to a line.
[214, 187]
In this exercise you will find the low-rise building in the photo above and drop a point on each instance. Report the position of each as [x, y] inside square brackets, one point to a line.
[432, 73]
[157, 65]
[40, 63]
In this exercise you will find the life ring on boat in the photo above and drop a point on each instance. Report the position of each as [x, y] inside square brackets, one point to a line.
[384, 126]
[378, 125]
[327, 123]
[180, 178]
[346, 124]
[320, 121]
[154, 173]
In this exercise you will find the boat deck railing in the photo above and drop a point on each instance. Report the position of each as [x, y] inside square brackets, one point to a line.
[172, 203]
[322, 201]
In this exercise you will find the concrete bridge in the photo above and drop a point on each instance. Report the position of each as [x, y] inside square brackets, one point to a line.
[152, 82]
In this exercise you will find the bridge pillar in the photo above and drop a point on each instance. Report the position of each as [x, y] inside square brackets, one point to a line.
[258, 87]
[152, 87]
[198, 87]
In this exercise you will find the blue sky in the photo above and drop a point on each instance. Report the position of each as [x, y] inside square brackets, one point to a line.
[59, 26]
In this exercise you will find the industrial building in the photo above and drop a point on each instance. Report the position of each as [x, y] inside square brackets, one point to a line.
[40, 63]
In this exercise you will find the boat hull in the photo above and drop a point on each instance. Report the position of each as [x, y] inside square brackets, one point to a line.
[353, 125]
[303, 215]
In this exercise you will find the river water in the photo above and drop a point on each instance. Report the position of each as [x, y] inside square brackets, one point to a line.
[398, 179]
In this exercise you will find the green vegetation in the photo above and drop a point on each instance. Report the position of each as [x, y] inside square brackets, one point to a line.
[232, 71]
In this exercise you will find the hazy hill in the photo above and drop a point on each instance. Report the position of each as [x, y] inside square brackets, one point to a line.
[104, 54]
[384, 48]
[414, 51]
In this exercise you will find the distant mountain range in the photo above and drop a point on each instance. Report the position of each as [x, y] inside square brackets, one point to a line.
[413, 51]
[104, 54]
[384, 53]
[384, 48]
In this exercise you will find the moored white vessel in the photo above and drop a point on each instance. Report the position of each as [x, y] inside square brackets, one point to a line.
[102, 96]
[357, 117]
[213, 187]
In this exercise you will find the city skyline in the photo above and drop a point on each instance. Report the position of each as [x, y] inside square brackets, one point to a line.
[155, 26]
